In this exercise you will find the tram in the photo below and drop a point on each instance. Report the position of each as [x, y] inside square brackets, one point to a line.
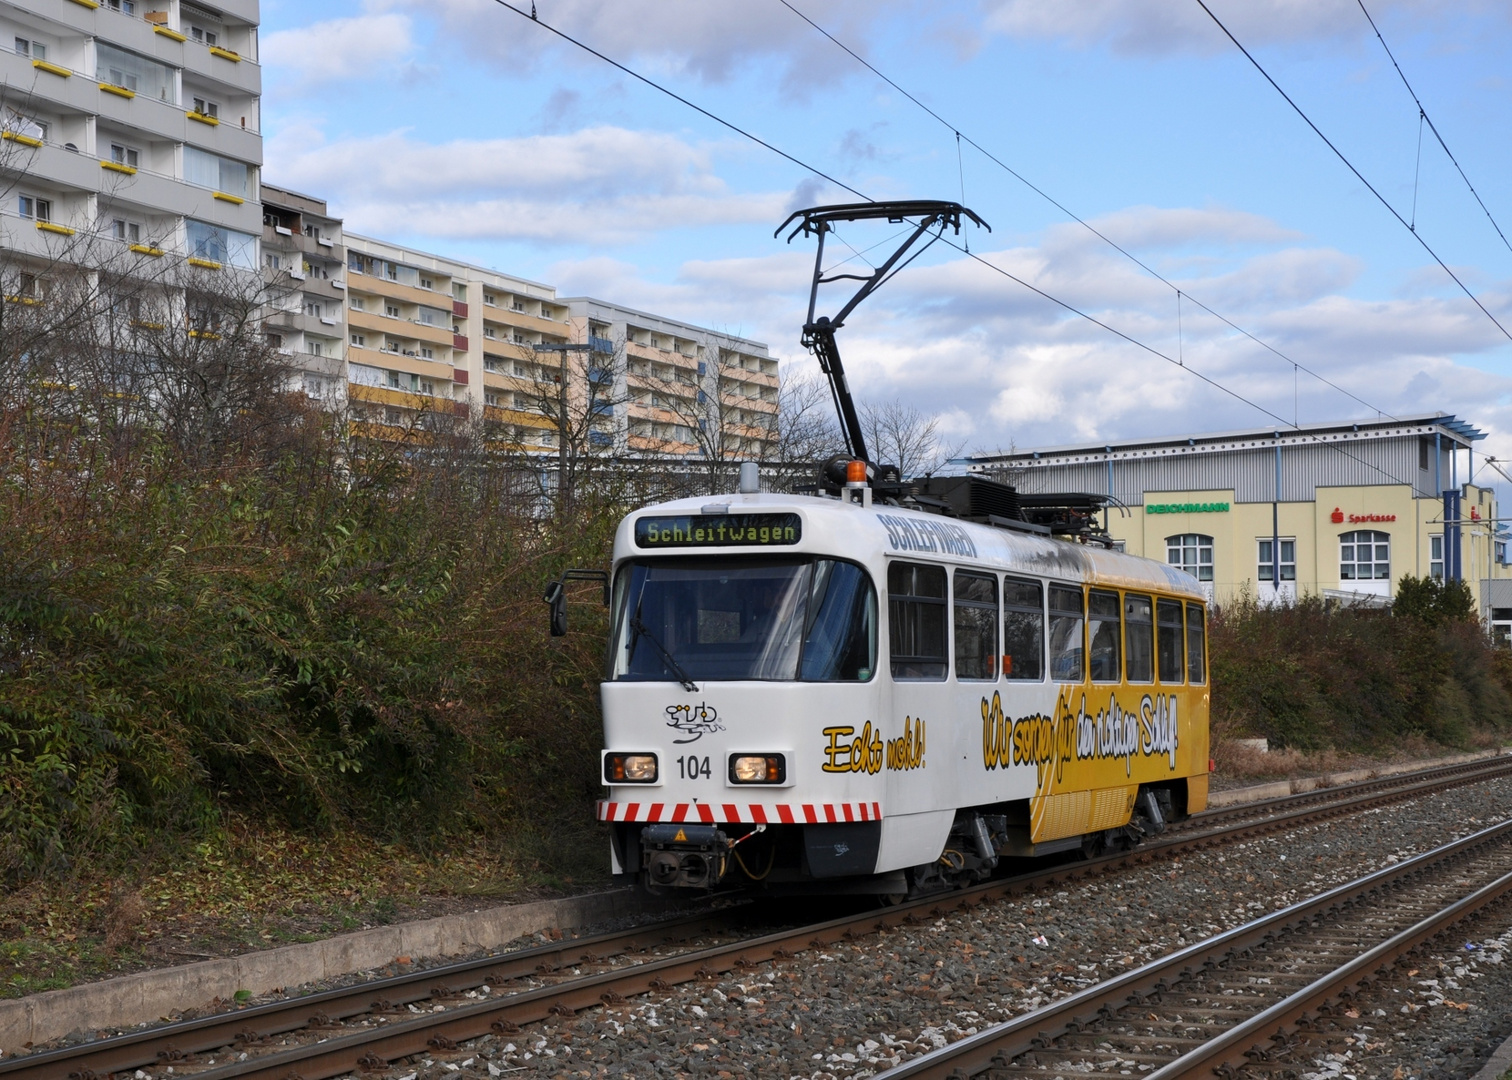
[887, 687]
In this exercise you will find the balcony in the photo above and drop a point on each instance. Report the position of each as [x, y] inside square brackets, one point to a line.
[601, 345]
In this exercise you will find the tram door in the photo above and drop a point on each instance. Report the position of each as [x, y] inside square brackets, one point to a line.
[921, 776]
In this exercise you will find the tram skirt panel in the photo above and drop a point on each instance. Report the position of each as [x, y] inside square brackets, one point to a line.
[1072, 813]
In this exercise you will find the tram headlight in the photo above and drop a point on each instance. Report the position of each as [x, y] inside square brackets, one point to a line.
[629, 768]
[758, 769]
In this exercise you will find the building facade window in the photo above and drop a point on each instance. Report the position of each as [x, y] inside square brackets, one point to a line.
[1266, 568]
[29, 206]
[207, 170]
[1501, 627]
[220, 244]
[1436, 557]
[136, 73]
[1365, 556]
[1192, 552]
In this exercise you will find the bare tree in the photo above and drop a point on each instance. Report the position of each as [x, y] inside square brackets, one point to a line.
[807, 431]
[573, 390]
[713, 414]
[901, 435]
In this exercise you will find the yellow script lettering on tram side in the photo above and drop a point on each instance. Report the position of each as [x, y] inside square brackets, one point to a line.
[845, 754]
[907, 751]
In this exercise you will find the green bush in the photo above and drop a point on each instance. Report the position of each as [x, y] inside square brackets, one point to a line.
[1316, 675]
[321, 632]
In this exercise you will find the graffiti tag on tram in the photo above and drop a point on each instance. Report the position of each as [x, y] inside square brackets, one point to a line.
[693, 720]
[1075, 733]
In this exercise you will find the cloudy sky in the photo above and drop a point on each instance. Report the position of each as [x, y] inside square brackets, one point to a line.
[463, 128]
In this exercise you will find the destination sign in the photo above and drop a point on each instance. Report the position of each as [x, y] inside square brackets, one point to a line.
[723, 530]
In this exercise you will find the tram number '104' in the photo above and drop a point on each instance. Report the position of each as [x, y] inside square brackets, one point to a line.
[693, 767]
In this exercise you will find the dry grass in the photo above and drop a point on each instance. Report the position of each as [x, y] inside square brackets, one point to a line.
[1236, 762]
[251, 887]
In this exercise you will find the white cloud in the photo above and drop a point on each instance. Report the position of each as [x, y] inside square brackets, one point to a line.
[601, 185]
[362, 46]
[695, 38]
[1000, 366]
[1160, 26]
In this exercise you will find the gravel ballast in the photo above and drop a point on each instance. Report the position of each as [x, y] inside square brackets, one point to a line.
[860, 1007]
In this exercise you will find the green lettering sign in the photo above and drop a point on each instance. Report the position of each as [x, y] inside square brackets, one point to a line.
[1188, 508]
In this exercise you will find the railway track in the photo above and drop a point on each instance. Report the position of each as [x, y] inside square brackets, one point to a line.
[365, 1026]
[1240, 998]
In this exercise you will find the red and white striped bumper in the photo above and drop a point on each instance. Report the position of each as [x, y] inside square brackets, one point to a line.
[748, 813]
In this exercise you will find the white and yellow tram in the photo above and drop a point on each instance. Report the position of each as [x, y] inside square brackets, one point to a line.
[820, 692]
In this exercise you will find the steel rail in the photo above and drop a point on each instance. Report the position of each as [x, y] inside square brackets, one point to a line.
[1240, 1045]
[1492, 765]
[996, 1046]
[252, 1025]
[135, 1049]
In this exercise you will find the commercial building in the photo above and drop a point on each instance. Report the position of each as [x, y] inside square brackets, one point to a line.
[131, 126]
[1340, 510]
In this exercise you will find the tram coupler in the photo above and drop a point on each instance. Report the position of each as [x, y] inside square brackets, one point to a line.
[686, 856]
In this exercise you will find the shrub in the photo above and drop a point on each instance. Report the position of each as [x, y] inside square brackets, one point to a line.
[1316, 675]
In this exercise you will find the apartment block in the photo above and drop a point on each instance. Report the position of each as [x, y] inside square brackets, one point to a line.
[133, 123]
[404, 337]
[427, 335]
[675, 388]
[305, 266]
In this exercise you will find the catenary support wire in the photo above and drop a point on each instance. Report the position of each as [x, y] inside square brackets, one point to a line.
[1357, 174]
[1069, 213]
[977, 258]
[1424, 118]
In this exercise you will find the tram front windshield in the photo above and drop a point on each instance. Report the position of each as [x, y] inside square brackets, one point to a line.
[761, 618]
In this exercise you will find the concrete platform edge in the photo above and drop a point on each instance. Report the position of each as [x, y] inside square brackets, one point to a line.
[1498, 1064]
[1280, 788]
[148, 996]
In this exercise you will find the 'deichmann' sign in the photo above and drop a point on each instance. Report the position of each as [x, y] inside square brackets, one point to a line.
[724, 530]
[1187, 508]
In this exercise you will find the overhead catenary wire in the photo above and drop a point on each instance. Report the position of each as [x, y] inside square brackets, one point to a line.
[1357, 174]
[1071, 308]
[1157, 275]
[1423, 118]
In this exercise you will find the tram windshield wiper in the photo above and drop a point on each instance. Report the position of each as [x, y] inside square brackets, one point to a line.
[644, 631]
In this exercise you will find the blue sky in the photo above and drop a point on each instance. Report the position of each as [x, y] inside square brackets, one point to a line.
[462, 128]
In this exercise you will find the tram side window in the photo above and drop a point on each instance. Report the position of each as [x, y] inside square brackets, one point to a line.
[1102, 635]
[1066, 655]
[1024, 630]
[916, 609]
[1196, 646]
[1139, 633]
[840, 637]
[1168, 640]
[975, 626]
